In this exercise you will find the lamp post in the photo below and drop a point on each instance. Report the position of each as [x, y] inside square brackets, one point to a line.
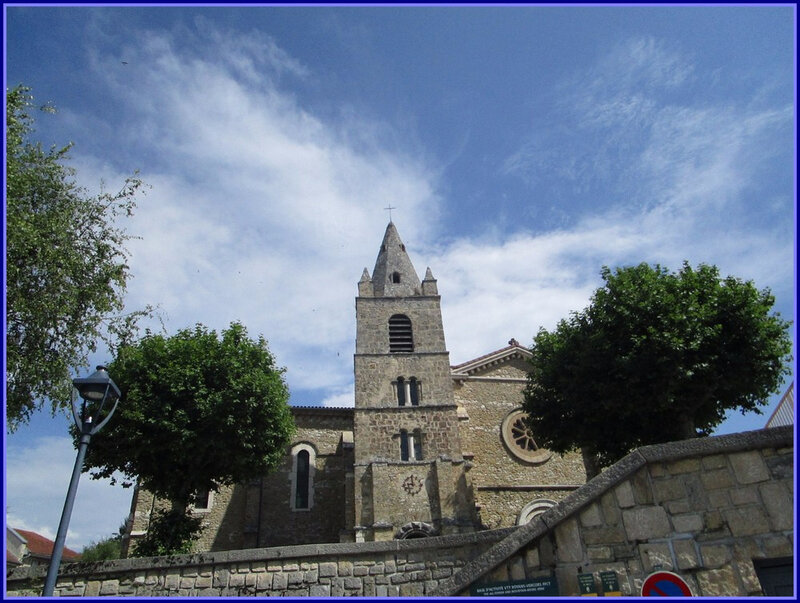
[96, 391]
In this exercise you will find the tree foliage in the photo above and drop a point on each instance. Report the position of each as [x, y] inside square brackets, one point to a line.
[657, 356]
[66, 268]
[106, 548]
[198, 411]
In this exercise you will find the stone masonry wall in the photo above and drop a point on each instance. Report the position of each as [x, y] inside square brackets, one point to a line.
[703, 508]
[503, 483]
[258, 513]
[395, 568]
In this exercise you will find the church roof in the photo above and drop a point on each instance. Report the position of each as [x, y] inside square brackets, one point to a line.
[394, 274]
[511, 351]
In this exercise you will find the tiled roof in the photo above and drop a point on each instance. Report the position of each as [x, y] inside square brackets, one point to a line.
[40, 546]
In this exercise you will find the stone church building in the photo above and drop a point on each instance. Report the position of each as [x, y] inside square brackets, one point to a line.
[428, 448]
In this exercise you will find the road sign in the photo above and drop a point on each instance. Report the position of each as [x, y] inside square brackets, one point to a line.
[665, 584]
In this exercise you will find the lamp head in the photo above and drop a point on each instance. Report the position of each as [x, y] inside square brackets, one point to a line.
[94, 387]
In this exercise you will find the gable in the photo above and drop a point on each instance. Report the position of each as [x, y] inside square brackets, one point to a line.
[507, 363]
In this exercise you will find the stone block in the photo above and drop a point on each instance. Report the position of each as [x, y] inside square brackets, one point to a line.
[109, 587]
[777, 545]
[749, 467]
[655, 556]
[779, 505]
[644, 523]
[714, 556]
[685, 554]
[360, 570]
[714, 461]
[280, 582]
[746, 521]
[320, 590]
[719, 499]
[264, 581]
[568, 541]
[532, 557]
[624, 495]
[381, 591]
[750, 581]
[345, 568]
[517, 568]
[781, 467]
[412, 589]
[689, 522]
[185, 583]
[668, 489]
[376, 569]
[717, 478]
[326, 570]
[602, 535]
[203, 582]
[717, 583]
[676, 507]
[683, 466]
[591, 516]
[599, 553]
[294, 578]
[352, 584]
[746, 495]
[641, 488]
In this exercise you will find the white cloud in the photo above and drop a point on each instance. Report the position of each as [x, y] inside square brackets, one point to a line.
[37, 479]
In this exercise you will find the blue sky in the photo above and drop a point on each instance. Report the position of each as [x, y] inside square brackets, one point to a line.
[523, 147]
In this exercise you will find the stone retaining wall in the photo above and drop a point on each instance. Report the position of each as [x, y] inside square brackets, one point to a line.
[395, 568]
[706, 509]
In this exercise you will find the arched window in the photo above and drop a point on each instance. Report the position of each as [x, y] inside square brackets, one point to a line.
[303, 467]
[395, 277]
[400, 336]
[413, 391]
[534, 509]
[401, 391]
[410, 445]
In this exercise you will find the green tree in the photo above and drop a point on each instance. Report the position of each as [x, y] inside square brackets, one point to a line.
[66, 268]
[105, 548]
[198, 411]
[657, 356]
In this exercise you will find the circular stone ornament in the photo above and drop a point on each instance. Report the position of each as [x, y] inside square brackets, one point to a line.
[520, 440]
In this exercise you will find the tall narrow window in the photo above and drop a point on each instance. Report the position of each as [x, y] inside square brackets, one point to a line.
[302, 477]
[301, 491]
[401, 391]
[400, 336]
[404, 445]
[395, 277]
[410, 445]
[414, 391]
[417, 445]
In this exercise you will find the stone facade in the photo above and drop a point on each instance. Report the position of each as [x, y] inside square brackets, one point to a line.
[461, 472]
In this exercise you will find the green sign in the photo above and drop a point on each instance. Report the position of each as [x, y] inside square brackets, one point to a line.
[534, 587]
[586, 584]
[610, 583]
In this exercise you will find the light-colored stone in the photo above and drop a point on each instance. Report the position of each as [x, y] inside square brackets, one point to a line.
[568, 541]
[624, 494]
[779, 504]
[656, 556]
[749, 467]
[689, 522]
[644, 523]
[718, 583]
[685, 554]
[591, 516]
[715, 555]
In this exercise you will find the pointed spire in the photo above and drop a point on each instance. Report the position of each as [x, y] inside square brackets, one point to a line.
[394, 274]
[365, 276]
[429, 284]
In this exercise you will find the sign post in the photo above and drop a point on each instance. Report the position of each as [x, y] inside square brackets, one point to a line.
[665, 584]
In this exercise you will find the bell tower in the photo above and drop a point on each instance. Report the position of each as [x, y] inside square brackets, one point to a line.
[410, 478]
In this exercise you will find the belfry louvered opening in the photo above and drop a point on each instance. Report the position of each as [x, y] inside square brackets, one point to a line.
[400, 337]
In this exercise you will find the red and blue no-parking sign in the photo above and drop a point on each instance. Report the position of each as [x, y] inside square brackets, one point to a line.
[665, 584]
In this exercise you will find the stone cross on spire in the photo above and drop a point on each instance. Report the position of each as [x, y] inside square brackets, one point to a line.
[390, 208]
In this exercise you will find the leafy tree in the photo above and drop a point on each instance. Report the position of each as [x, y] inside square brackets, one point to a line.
[197, 412]
[657, 356]
[106, 548]
[65, 262]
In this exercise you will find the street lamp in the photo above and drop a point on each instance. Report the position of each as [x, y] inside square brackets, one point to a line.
[96, 390]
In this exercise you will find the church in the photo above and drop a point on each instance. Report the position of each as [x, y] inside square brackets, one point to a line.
[428, 449]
